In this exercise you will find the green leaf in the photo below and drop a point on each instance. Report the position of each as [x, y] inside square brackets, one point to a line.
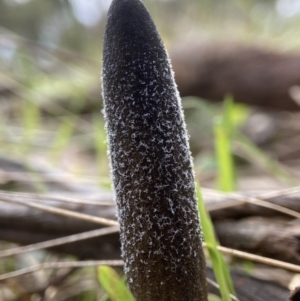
[113, 285]
[219, 265]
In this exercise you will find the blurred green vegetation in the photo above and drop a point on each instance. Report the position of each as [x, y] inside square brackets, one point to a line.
[78, 25]
[50, 88]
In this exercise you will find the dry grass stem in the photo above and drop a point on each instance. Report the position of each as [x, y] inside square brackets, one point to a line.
[238, 198]
[60, 265]
[42, 197]
[59, 241]
[260, 259]
[216, 285]
[63, 212]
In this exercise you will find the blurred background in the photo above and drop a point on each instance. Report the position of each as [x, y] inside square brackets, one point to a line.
[237, 66]
[50, 89]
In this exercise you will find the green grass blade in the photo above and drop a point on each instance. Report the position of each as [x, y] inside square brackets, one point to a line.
[235, 114]
[63, 136]
[228, 106]
[219, 265]
[224, 129]
[31, 119]
[113, 285]
[212, 297]
[226, 172]
[227, 275]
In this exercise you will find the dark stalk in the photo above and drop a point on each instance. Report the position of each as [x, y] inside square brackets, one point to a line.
[150, 161]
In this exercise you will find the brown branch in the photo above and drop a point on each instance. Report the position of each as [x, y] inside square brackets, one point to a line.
[249, 288]
[17, 224]
[252, 75]
[275, 238]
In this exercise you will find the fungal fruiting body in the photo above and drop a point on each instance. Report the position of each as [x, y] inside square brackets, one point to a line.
[150, 161]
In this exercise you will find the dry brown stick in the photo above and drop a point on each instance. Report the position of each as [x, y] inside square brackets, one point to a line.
[63, 212]
[255, 76]
[251, 289]
[15, 219]
[60, 265]
[222, 205]
[256, 201]
[216, 203]
[220, 225]
[232, 252]
[59, 241]
[98, 248]
[287, 201]
[260, 259]
[107, 199]
[18, 217]
[273, 237]
[247, 287]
